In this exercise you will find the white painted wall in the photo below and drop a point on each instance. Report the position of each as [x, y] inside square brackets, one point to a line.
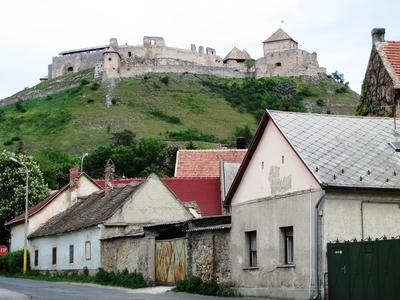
[266, 175]
[84, 187]
[62, 242]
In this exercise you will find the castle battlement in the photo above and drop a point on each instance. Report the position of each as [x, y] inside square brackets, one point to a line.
[281, 58]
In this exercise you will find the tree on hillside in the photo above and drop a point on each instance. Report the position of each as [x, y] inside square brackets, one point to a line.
[12, 188]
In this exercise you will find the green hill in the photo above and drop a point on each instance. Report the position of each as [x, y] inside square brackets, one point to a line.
[69, 112]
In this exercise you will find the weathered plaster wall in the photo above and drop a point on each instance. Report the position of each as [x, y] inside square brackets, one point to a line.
[151, 203]
[271, 277]
[62, 242]
[274, 169]
[67, 198]
[377, 94]
[135, 254]
[209, 255]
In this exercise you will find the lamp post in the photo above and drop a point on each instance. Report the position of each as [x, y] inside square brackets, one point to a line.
[83, 156]
[25, 265]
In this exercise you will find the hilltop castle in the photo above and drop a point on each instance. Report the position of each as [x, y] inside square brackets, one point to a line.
[282, 57]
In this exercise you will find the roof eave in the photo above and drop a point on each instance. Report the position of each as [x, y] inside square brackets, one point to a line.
[333, 187]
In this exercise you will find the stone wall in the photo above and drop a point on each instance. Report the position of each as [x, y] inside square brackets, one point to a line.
[377, 94]
[135, 254]
[209, 255]
[77, 61]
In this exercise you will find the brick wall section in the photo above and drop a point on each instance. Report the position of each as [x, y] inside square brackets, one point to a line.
[209, 255]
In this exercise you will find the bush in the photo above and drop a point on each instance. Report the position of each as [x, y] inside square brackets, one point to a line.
[341, 90]
[320, 102]
[89, 101]
[11, 263]
[94, 86]
[163, 116]
[85, 271]
[19, 107]
[120, 278]
[191, 134]
[85, 81]
[196, 285]
[165, 80]
[49, 97]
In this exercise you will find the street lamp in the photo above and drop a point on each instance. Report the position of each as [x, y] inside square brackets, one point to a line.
[83, 156]
[26, 214]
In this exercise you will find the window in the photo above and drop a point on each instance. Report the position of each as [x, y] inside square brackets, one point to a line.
[71, 254]
[70, 69]
[54, 256]
[88, 251]
[109, 58]
[129, 54]
[36, 261]
[278, 64]
[251, 237]
[287, 235]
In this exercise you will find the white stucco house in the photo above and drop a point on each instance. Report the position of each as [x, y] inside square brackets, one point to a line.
[306, 180]
[80, 185]
[71, 240]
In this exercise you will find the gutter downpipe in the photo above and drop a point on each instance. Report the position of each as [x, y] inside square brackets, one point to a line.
[317, 246]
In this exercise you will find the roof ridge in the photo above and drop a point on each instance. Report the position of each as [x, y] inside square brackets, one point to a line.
[329, 115]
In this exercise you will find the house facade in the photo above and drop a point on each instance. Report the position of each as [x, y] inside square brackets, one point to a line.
[307, 180]
[80, 185]
[73, 239]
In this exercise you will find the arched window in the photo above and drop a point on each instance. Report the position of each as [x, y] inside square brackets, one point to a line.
[70, 69]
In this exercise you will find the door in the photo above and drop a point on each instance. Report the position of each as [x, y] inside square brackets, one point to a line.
[171, 260]
[338, 278]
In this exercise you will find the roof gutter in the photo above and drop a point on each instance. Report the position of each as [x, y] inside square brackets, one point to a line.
[326, 186]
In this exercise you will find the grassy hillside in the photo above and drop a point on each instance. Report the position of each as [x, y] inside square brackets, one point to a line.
[167, 107]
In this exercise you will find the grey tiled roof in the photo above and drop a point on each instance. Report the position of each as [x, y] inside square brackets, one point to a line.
[278, 35]
[344, 150]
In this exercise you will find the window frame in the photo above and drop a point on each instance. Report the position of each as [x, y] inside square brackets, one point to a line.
[251, 237]
[289, 245]
[88, 250]
[71, 254]
[54, 256]
[36, 258]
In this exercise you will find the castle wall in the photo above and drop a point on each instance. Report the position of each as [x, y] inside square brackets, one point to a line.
[293, 62]
[77, 61]
[279, 46]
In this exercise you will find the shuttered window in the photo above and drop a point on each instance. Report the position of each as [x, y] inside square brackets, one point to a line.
[88, 251]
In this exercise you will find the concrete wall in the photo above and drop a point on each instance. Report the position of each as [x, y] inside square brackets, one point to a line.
[67, 198]
[151, 203]
[274, 169]
[209, 255]
[62, 242]
[135, 254]
[271, 277]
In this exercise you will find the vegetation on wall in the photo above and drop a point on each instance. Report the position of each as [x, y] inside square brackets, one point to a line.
[196, 285]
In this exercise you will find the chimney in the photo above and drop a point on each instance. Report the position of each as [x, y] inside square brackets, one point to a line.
[240, 143]
[73, 174]
[378, 35]
[109, 175]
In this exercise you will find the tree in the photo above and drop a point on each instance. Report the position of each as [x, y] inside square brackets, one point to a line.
[12, 188]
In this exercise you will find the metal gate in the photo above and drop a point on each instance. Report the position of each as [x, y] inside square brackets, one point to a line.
[171, 260]
[366, 270]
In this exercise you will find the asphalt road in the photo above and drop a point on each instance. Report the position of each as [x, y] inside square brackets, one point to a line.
[21, 289]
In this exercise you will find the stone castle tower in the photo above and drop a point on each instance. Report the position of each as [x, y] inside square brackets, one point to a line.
[282, 57]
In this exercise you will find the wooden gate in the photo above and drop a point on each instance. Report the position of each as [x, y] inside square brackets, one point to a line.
[171, 260]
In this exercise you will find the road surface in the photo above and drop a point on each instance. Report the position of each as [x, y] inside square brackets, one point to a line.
[22, 289]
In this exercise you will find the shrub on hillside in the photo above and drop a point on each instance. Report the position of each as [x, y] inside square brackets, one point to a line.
[19, 107]
[94, 86]
[165, 117]
[11, 263]
[191, 134]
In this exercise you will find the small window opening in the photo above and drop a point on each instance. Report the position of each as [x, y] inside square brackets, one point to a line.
[287, 234]
[152, 42]
[262, 165]
[278, 64]
[70, 69]
[109, 58]
[71, 254]
[36, 262]
[88, 250]
[129, 54]
[283, 159]
[54, 256]
[251, 237]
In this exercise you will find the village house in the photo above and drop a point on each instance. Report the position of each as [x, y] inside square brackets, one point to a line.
[309, 180]
[380, 93]
[88, 234]
[80, 185]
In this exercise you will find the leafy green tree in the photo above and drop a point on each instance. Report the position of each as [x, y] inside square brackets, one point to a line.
[12, 188]
[55, 166]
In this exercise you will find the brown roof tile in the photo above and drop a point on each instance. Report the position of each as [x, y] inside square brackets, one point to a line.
[205, 163]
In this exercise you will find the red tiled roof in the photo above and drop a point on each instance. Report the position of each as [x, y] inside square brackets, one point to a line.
[205, 163]
[392, 52]
[34, 209]
[205, 191]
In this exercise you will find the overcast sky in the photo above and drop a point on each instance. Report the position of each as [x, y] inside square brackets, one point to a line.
[33, 31]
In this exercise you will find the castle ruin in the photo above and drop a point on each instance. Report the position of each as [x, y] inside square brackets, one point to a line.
[282, 57]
